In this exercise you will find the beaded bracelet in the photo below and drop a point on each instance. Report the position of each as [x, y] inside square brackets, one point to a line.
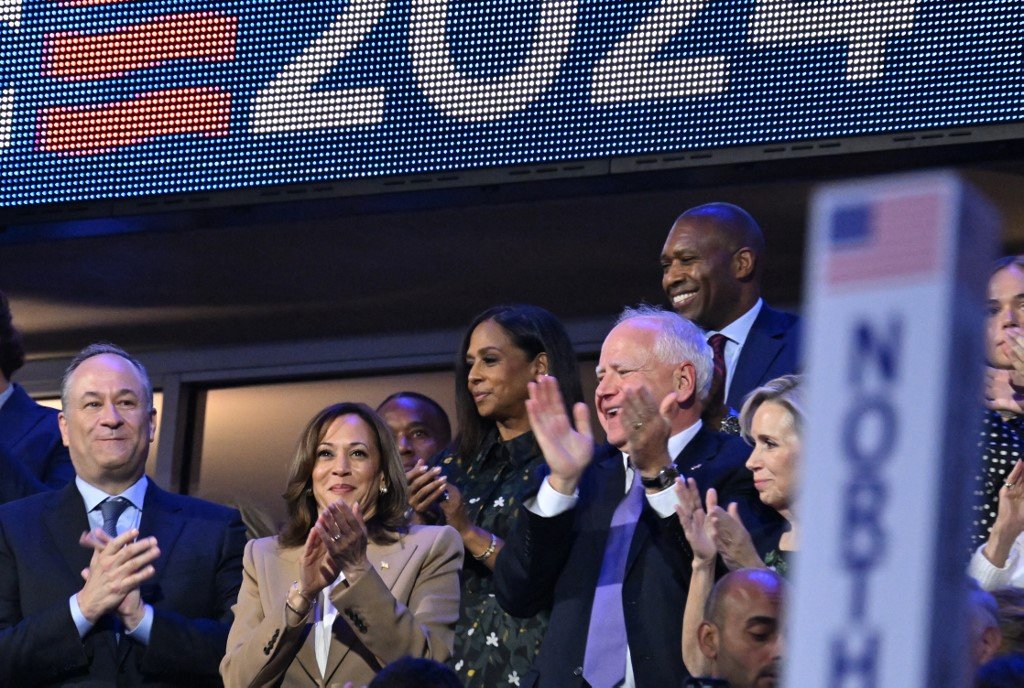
[490, 549]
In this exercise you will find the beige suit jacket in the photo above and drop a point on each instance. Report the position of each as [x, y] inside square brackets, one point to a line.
[407, 605]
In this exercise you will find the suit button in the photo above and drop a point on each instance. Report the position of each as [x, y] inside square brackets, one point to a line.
[578, 671]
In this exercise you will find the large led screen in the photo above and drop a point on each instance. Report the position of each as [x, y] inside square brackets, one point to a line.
[105, 99]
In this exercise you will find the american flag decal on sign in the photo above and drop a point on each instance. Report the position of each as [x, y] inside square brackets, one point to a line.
[894, 237]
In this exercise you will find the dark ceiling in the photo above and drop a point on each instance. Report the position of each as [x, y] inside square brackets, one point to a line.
[414, 261]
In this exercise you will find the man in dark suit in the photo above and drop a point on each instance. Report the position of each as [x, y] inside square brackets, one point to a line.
[711, 269]
[111, 580]
[32, 456]
[654, 371]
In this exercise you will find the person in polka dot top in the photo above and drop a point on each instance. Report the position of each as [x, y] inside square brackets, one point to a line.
[999, 508]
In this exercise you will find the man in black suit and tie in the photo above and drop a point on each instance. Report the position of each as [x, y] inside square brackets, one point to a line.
[112, 581]
[601, 544]
[711, 269]
[32, 456]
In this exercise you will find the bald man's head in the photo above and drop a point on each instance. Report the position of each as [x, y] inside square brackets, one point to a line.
[742, 628]
[711, 264]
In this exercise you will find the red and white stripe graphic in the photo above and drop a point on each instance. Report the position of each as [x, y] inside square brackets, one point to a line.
[101, 127]
[203, 36]
[95, 129]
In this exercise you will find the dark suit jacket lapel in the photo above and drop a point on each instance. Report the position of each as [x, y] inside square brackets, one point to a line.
[66, 521]
[610, 489]
[609, 486]
[160, 519]
[699, 451]
[764, 341]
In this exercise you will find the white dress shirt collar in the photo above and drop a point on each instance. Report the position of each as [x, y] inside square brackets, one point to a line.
[92, 496]
[738, 329]
[736, 334]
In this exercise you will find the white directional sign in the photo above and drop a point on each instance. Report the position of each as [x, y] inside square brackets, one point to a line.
[895, 303]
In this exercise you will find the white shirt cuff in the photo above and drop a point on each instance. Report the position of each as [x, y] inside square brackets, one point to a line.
[549, 502]
[663, 502]
[81, 623]
[140, 633]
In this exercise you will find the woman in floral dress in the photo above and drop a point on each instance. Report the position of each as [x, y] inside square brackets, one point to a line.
[495, 464]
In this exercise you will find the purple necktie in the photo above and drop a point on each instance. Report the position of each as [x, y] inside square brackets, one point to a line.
[604, 664]
[716, 395]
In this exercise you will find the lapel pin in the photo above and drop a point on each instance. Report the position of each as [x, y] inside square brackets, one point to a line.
[383, 565]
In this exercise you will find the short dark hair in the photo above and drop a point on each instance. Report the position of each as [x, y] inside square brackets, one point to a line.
[12, 351]
[99, 349]
[735, 226]
[415, 672]
[389, 516]
[442, 416]
[1005, 262]
[534, 331]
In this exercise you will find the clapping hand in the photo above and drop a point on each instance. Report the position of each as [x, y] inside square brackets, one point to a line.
[1009, 518]
[694, 521]
[455, 511]
[426, 487]
[731, 538]
[648, 425]
[1015, 345]
[336, 543]
[117, 568]
[567, 452]
[1004, 391]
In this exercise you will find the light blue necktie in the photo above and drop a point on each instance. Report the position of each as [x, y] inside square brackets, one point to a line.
[604, 664]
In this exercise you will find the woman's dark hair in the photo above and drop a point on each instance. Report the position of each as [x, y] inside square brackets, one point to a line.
[534, 331]
[388, 516]
[12, 353]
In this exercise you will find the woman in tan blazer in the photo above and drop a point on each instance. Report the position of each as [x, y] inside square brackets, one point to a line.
[348, 586]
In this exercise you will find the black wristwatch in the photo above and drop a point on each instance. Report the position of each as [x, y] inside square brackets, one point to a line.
[664, 479]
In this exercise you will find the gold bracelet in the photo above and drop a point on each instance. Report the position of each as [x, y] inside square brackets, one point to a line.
[297, 612]
[296, 590]
[490, 549]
